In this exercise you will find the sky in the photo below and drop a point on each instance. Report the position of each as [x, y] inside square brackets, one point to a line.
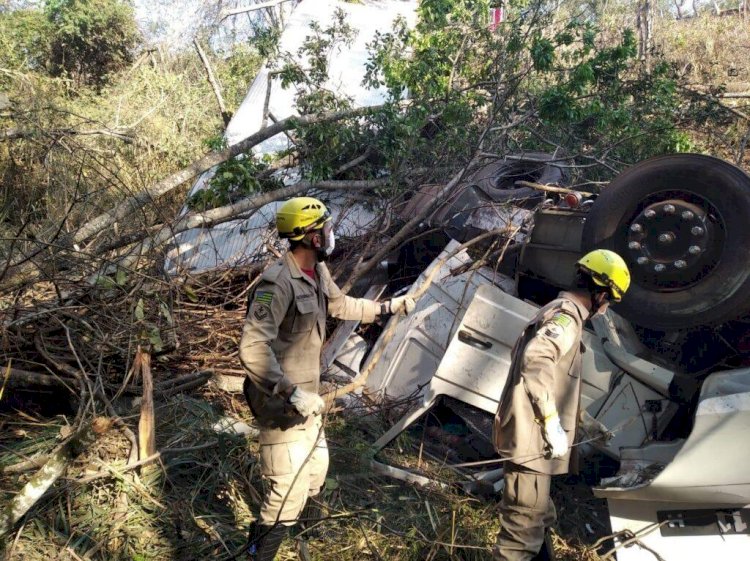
[173, 22]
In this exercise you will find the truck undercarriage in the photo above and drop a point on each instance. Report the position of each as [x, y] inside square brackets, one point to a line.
[663, 370]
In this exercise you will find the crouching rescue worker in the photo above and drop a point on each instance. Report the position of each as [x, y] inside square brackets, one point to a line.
[536, 420]
[280, 351]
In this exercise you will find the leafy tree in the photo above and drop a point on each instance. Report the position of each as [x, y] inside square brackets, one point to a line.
[91, 39]
[24, 41]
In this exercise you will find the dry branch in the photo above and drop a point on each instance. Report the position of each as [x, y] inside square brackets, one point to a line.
[16, 134]
[23, 378]
[550, 188]
[717, 101]
[23, 271]
[50, 472]
[215, 86]
[146, 427]
[405, 231]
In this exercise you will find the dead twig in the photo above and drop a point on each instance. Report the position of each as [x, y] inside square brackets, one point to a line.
[215, 86]
[50, 472]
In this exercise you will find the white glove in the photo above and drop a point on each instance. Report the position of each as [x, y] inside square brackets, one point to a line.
[555, 436]
[402, 304]
[306, 403]
[594, 428]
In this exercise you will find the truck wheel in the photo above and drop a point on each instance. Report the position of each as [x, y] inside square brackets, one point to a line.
[682, 223]
[498, 179]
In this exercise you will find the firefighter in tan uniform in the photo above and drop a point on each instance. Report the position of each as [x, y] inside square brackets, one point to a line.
[538, 413]
[280, 350]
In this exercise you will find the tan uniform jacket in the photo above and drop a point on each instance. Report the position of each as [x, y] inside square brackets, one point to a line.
[545, 375]
[282, 338]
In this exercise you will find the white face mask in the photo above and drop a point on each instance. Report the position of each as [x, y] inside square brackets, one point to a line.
[330, 243]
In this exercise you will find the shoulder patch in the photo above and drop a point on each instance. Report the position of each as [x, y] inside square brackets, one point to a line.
[260, 312]
[562, 319]
[553, 331]
[264, 297]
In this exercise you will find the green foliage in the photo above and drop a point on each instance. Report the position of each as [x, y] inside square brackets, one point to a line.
[24, 39]
[603, 100]
[236, 70]
[309, 79]
[447, 48]
[323, 147]
[233, 180]
[90, 39]
[543, 52]
[266, 40]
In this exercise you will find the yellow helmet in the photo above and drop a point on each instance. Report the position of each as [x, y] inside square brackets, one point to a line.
[300, 215]
[608, 269]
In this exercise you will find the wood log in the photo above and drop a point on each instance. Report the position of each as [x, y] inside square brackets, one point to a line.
[146, 427]
[24, 270]
[14, 377]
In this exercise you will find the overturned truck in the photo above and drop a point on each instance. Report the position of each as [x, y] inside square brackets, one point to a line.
[667, 370]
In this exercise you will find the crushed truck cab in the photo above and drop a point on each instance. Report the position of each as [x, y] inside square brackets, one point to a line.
[679, 422]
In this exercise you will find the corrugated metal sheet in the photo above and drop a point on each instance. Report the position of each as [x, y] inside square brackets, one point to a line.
[243, 241]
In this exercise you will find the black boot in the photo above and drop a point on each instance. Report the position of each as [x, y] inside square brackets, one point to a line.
[547, 553]
[309, 520]
[264, 541]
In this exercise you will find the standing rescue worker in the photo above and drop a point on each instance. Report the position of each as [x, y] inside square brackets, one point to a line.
[280, 350]
[536, 419]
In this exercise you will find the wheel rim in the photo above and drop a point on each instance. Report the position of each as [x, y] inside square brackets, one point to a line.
[673, 241]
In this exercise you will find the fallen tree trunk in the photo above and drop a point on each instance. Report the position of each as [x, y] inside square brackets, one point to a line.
[226, 213]
[23, 271]
[252, 8]
[13, 377]
[205, 163]
[50, 472]
[214, 83]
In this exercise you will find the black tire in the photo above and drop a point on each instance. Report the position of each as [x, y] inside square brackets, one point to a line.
[498, 179]
[711, 285]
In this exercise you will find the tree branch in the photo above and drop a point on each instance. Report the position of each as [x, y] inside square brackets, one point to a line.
[225, 115]
[22, 272]
[251, 8]
[205, 163]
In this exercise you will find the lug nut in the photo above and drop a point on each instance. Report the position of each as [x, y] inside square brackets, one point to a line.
[666, 237]
[694, 249]
[660, 268]
[650, 213]
[687, 215]
[634, 245]
[680, 264]
[642, 260]
[696, 231]
[669, 209]
[637, 228]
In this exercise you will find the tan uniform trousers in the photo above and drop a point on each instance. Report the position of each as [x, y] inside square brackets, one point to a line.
[292, 471]
[525, 511]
